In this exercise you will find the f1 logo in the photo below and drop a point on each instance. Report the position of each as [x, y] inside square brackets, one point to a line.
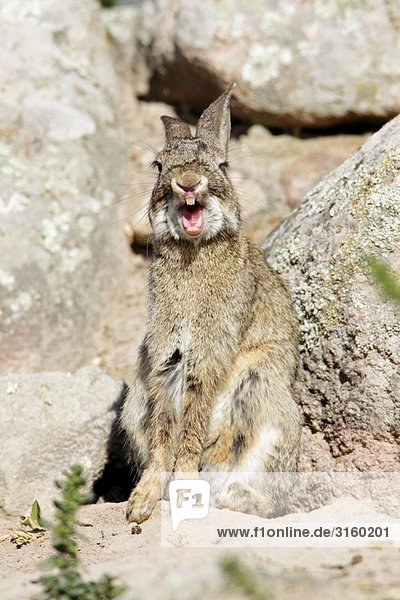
[189, 499]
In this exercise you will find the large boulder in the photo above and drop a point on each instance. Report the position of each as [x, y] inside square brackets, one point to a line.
[349, 380]
[296, 63]
[272, 173]
[62, 163]
[48, 422]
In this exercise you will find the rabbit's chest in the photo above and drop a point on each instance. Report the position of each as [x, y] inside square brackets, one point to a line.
[190, 352]
[176, 363]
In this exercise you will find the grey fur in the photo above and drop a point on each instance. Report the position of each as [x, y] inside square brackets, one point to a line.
[213, 382]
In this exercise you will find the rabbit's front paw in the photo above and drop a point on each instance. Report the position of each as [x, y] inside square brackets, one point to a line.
[141, 503]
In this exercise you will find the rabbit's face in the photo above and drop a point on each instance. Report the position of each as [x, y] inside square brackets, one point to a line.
[193, 198]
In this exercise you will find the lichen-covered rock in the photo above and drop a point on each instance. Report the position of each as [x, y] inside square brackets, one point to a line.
[296, 63]
[271, 173]
[122, 25]
[48, 422]
[349, 380]
[62, 160]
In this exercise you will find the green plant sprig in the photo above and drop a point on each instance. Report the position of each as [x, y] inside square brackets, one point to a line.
[385, 279]
[67, 583]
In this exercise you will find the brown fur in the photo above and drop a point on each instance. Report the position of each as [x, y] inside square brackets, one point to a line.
[219, 357]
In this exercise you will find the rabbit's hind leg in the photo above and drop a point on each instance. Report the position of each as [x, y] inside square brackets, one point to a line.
[241, 497]
[254, 432]
[245, 488]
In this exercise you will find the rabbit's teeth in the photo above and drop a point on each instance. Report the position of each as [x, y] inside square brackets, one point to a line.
[190, 200]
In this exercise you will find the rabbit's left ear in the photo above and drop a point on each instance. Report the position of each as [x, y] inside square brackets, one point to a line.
[215, 122]
[175, 129]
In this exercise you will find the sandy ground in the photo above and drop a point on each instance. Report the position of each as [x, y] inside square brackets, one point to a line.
[152, 571]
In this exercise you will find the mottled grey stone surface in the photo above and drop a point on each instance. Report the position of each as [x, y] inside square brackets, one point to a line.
[48, 422]
[62, 162]
[349, 381]
[296, 63]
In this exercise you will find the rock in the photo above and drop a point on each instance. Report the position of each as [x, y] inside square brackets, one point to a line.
[349, 380]
[122, 25]
[48, 422]
[62, 160]
[271, 173]
[124, 322]
[296, 64]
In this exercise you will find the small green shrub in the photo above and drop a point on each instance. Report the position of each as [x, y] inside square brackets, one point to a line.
[385, 279]
[67, 583]
[243, 579]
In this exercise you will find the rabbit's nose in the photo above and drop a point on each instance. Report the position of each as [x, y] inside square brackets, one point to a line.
[189, 183]
[187, 188]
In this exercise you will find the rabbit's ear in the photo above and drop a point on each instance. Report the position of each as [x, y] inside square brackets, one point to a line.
[215, 122]
[175, 129]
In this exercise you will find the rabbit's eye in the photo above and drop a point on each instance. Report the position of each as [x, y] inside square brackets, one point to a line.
[156, 163]
[224, 167]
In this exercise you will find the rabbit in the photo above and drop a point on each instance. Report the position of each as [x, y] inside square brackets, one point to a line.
[212, 390]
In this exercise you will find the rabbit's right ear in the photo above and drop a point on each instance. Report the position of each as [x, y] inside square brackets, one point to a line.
[175, 129]
[215, 122]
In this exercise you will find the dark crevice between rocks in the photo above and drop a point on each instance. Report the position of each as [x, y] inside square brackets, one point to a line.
[343, 377]
[241, 127]
[360, 127]
[118, 478]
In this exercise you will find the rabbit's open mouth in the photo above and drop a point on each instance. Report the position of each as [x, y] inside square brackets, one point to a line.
[193, 218]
